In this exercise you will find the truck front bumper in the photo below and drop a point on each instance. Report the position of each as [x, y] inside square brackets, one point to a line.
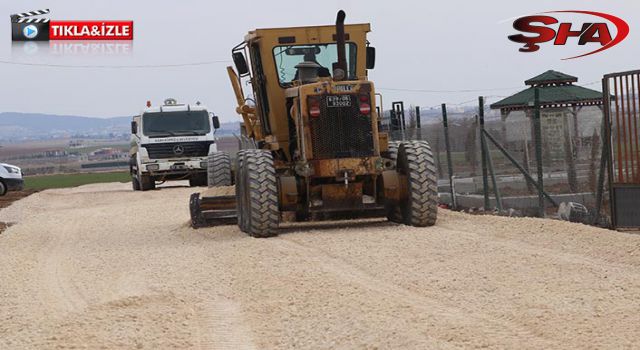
[175, 168]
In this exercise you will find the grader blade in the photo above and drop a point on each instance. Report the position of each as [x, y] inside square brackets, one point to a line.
[209, 211]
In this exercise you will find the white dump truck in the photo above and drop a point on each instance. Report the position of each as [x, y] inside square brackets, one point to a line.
[171, 142]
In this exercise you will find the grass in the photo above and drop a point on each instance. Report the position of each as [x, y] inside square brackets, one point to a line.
[72, 180]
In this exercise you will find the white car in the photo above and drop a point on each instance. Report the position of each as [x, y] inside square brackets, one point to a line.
[10, 178]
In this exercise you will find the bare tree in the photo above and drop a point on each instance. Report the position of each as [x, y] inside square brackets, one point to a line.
[471, 147]
[437, 148]
[525, 164]
[412, 117]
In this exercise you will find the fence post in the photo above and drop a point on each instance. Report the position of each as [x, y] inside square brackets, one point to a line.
[538, 141]
[393, 124]
[492, 173]
[483, 148]
[606, 160]
[523, 171]
[447, 145]
[418, 124]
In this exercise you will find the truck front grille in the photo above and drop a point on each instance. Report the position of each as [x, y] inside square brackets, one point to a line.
[341, 132]
[178, 149]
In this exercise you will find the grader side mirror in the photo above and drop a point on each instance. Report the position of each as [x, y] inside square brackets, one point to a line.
[216, 122]
[371, 57]
[134, 127]
[240, 63]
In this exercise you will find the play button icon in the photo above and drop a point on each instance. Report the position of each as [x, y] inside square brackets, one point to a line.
[30, 31]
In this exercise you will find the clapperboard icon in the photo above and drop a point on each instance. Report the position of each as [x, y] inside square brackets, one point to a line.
[24, 28]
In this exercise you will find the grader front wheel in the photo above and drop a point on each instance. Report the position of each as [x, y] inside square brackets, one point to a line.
[415, 161]
[258, 197]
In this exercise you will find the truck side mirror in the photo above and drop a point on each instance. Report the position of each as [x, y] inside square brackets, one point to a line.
[371, 57]
[240, 63]
[216, 122]
[134, 127]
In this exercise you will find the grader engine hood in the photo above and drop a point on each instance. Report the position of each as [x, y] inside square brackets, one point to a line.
[338, 120]
[337, 131]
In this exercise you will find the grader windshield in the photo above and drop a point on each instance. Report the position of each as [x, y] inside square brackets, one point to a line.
[288, 56]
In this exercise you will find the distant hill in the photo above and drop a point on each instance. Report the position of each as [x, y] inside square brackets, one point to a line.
[28, 126]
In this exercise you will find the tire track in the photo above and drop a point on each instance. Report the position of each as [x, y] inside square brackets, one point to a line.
[499, 328]
[221, 326]
[55, 274]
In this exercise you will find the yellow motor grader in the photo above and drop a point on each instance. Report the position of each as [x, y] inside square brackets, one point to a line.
[317, 149]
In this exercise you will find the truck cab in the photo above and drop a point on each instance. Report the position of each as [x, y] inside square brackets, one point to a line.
[171, 142]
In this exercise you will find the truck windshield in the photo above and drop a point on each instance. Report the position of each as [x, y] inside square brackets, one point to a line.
[287, 57]
[183, 123]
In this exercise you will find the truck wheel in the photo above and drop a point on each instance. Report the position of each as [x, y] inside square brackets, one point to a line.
[415, 161]
[219, 169]
[3, 189]
[135, 183]
[260, 199]
[242, 219]
[394, 214]
[147, 183]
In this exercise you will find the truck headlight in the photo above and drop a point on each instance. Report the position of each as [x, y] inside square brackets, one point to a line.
[12, 169]
[153, 167]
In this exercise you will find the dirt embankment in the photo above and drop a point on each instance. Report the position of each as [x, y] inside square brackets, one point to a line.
[100, 266]
[8, 199]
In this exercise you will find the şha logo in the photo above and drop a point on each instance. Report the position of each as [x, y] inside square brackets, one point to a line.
[597, 32]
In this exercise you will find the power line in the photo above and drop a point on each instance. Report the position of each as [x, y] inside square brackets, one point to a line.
[466, 90]
[448, 91]
[144, 66]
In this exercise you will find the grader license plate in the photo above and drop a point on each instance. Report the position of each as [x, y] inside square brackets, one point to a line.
[339, 101]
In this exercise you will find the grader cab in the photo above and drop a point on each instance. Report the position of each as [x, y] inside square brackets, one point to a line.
[318, 150]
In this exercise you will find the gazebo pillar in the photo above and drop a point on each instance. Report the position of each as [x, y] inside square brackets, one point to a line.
[503, 125]
[576, 129]
[569, 159]
[532, 130]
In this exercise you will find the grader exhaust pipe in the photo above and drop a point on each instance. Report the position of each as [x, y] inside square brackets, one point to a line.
[340, 67]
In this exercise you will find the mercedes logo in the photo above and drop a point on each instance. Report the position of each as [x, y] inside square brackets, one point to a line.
[178, 149]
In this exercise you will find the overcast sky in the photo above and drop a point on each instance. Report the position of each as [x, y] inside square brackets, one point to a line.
[421, 45]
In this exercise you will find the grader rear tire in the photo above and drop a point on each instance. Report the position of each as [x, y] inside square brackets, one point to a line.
[392, 151]
[394, 214]
[260, 194]
[219, 169]
[415, 160]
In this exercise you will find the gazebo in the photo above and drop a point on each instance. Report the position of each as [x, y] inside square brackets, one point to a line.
[558, 98]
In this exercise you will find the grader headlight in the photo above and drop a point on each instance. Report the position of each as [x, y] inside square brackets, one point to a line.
[314, 106]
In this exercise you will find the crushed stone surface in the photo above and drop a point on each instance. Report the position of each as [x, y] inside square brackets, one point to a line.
[101, 266]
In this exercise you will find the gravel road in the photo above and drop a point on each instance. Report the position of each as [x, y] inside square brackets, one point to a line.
[100, 266]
